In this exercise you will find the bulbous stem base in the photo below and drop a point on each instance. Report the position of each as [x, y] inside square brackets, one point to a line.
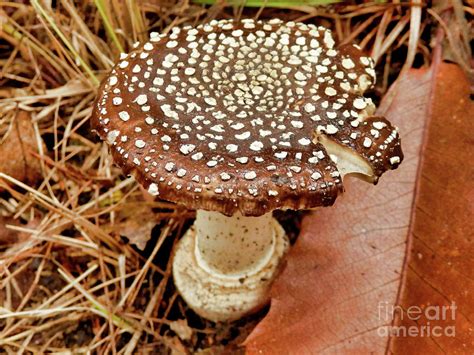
[218, 296]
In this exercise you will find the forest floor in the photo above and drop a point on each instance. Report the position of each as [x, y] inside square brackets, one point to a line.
[84, 253]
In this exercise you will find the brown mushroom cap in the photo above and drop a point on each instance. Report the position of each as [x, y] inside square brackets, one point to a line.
[229, 116]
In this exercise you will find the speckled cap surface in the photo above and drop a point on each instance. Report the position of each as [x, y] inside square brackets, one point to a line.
[226, 116]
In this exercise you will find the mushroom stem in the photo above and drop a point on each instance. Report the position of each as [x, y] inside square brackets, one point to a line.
[233, 247]
[224, 266]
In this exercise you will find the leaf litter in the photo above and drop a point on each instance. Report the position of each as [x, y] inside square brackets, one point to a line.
[78, 267]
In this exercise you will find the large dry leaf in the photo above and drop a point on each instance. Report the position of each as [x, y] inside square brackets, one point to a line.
[18, 146]
[440, 264]
[352, 262]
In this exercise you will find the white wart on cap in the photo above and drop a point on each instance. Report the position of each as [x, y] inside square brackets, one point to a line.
[231, 116]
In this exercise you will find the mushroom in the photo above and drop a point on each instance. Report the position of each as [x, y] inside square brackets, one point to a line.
[236, 119]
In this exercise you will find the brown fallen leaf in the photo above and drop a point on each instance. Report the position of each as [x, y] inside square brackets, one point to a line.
[440, 265]
[352, 263]
[17, 147]
[14, 242]
[137, 222]
[7, 236]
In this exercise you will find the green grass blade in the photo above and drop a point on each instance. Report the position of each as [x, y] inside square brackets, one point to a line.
[270, 3]
[108, 25]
